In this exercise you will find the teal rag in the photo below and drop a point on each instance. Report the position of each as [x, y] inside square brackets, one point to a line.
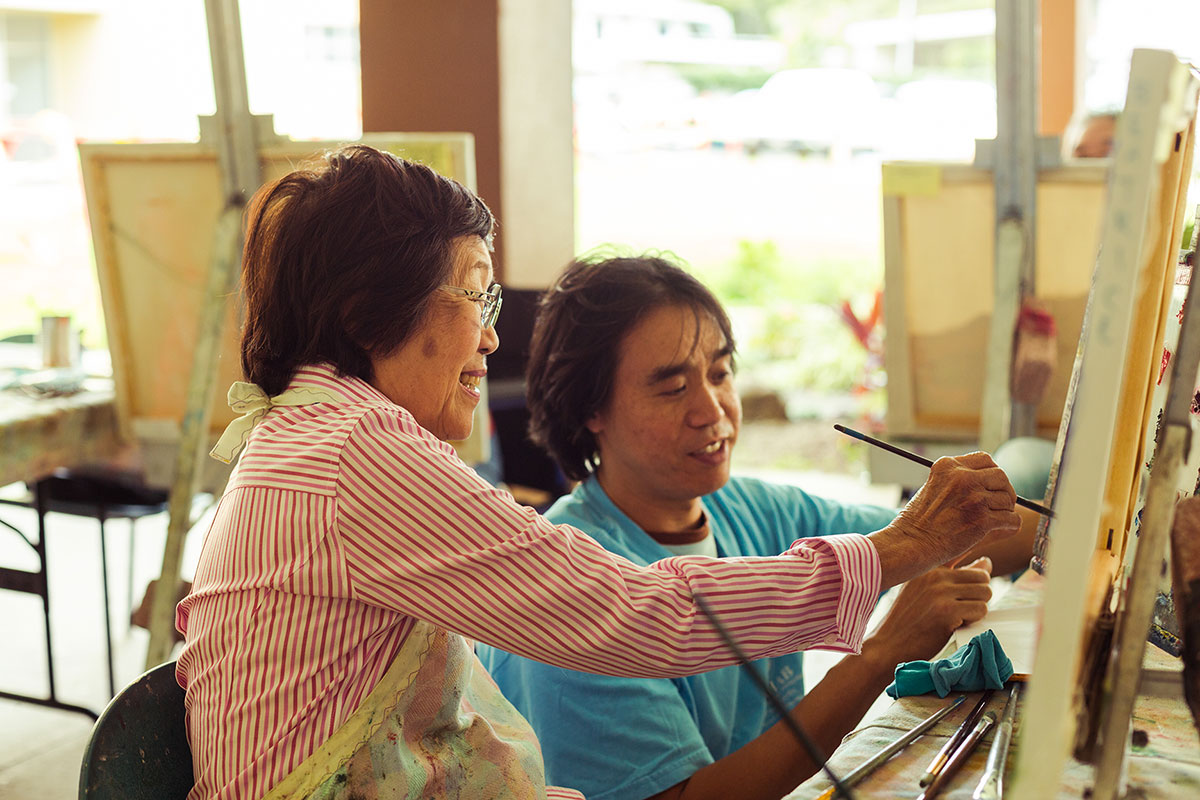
[979, 664]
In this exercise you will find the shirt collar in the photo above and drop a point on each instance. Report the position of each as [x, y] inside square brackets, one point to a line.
[326, 377]
[317, 383]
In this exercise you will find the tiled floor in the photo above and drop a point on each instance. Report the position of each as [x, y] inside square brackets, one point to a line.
[41, 749]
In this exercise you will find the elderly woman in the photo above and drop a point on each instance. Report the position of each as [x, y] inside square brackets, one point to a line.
[354, 557]
[630, 386]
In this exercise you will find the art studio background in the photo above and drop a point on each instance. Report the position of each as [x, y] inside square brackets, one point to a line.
[749, 139]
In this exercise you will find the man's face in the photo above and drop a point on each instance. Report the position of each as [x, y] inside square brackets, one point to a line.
[668, 431]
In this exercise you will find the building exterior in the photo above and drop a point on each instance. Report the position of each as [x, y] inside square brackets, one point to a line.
[137, 70]
[608, 33]
[98, 61]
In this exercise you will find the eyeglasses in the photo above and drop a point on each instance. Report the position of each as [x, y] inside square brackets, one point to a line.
[489, 302]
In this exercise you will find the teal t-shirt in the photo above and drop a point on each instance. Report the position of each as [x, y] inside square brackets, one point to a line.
[629, 738]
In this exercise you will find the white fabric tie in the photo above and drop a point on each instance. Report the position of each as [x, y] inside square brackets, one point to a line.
[253, 404]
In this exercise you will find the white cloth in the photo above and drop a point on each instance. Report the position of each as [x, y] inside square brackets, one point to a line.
[249, 400]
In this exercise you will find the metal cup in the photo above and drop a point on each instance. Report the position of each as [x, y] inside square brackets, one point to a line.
[60, 342]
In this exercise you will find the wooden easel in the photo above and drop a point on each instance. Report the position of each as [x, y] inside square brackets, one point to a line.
[1102, 439]
[159, 189]
[237, 142]
[1015, 156]
[939, 213]
[1136, 603]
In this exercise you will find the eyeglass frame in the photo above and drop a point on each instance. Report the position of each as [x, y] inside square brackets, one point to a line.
[491, 301]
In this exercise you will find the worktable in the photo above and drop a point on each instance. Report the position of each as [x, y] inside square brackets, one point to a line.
[1166, 764]
[38, 435]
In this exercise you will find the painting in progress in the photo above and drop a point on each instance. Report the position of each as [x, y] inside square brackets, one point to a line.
[1103, 440]
[153, 208]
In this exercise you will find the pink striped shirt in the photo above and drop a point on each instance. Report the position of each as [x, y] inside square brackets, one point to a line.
[345, 522]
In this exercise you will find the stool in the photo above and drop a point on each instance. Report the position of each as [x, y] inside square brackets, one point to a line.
[84, 493]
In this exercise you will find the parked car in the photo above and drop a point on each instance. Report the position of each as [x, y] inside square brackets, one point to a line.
[938, 119]
[43, 223]
[818, 110]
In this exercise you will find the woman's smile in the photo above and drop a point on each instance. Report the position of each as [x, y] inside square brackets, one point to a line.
[469, 381]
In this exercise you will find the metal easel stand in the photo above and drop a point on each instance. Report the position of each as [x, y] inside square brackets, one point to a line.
[1125, 676]
[236, 139]
[1015, 157]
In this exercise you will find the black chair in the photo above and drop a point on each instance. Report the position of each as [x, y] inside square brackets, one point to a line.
[138, 749]
[522, 462]
[102, 495]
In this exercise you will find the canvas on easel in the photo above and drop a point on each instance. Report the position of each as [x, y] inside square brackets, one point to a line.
[1102, 440]
[153, 207]
[939, 224]
[1127, 663]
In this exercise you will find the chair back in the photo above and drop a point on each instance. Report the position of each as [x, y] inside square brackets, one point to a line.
[138, 749]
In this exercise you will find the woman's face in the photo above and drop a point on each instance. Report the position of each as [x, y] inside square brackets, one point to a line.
[435, 373]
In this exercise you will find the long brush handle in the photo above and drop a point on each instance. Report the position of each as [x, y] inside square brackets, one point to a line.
[925, 462]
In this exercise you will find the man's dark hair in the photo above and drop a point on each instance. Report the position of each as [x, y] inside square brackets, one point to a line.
[341, 260]
[582, 320]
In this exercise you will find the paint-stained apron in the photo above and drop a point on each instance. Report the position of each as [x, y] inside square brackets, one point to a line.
[436, 726]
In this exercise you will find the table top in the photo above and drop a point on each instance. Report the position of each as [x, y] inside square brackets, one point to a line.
[1166, 765]
[38, 435]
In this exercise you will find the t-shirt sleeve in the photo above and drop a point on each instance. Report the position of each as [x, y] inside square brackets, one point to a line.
[794, 513]
[640, 738]
[425, 536]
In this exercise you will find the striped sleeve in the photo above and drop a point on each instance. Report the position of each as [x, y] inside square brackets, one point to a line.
[425, 536]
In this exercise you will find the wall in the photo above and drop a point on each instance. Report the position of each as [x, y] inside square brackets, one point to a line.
[501, 70]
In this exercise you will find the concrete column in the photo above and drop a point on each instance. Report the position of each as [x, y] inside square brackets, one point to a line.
[537, 154]
[501, 70]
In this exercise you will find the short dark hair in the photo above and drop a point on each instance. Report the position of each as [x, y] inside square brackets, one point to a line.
[581, 322]
[342, 258]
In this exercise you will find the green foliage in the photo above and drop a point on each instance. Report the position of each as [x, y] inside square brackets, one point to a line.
[760, 275]
[754, 276]
[752, 16]
[792, 334]
[806, 347]
[712, 78]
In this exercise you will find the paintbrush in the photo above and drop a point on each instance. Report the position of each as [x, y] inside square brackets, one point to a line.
[943, 755]
[872, 763]
[959, 757]
[925, 462]
[991, 785]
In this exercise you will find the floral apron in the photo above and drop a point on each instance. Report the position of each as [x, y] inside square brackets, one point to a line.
[436, 726]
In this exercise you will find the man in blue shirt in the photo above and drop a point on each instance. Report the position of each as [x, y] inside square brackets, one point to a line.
[630, 388]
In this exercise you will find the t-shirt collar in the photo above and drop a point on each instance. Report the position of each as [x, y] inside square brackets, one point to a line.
[632, 538]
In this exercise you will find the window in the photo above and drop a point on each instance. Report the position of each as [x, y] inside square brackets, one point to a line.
[25, 87]
[331, 43]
